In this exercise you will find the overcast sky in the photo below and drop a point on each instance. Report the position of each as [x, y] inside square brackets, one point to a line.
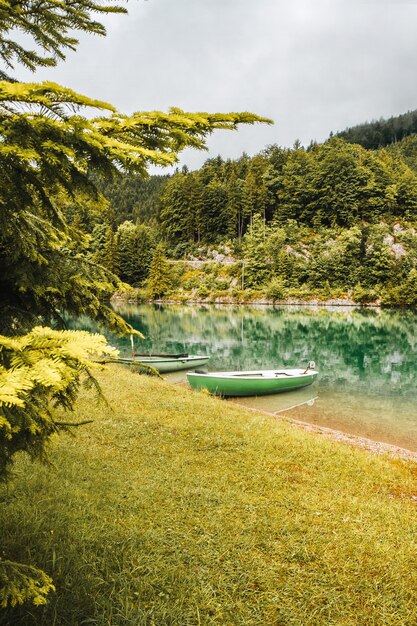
[313, 66]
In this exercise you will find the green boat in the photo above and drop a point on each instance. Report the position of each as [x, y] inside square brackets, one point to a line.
[252, 383]
[164, 363]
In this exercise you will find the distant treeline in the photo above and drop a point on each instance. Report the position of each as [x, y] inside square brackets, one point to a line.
[330, 219]
[133, 197]
[331, 184]
[380, 133]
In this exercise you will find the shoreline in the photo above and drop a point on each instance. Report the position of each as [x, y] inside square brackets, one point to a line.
[371, 445]
[365, 443]
[313, 303]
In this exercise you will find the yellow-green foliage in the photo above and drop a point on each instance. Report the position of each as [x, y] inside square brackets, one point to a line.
[20, 584]
[46, 160]
[47, 155]
[40, 368]
[118, 140]
[178, 508]
[37, 370]
[48, 27]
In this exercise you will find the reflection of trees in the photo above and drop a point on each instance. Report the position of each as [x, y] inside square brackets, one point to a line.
[374, 349]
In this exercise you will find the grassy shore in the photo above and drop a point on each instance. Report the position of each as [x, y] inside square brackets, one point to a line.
[176, 508]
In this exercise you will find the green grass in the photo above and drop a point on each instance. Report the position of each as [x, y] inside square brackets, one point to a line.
[178, 508]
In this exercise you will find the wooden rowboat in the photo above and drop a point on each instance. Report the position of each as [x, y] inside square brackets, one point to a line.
[164, 363]
[252, 383]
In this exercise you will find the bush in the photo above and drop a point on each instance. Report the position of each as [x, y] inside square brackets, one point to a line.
[276, 290]
[126, 293]
[405, 294]
[221, 295]
[363, 295]
[181, 250]
[221, 284]
[238, 295]
[203, 292]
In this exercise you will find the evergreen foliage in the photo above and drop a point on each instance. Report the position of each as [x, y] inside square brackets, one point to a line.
[47, 159]
[382, 132]
[109, 256]
[333, 184]
[132, 197]
[159, 281]
[39, 371]
[135, 246]
[336, 217]
[42, 368]
[49, 26]
[21, 584]
[257, 264]
[52, 156]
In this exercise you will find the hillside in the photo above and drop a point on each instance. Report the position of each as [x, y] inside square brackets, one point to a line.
[382, 132]
[334, 221]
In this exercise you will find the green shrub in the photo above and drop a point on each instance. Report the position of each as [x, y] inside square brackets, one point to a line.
[221, 284]
[203, 292]
[276, 290]
[363, 295]
[126, 293]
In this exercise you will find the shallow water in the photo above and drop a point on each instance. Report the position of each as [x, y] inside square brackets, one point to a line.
[367, 359]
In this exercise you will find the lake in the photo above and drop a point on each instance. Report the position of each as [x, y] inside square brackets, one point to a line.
[366, 358]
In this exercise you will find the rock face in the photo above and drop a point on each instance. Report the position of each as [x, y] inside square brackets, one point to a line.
[213, 256]
[397, 249]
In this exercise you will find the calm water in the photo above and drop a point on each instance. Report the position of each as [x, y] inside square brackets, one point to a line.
[367, 359]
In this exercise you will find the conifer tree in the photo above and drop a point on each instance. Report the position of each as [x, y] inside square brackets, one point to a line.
[38, 370]
[176, 209]
[197, 205]
[159, 281]
[41, 156]
[50, 155]
[258, 264]
[235, 205]
[294, 190]
[110, 258]
[215, 220]
[135, 245]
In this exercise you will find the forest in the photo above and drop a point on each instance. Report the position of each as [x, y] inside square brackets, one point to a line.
[81, 222]
[331, 221]
[382, 132]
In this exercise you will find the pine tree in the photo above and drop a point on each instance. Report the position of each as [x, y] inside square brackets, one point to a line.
[110, 258]
[42, 369]
[258, 265]
[294, 191]
[235, 205]
[41, 156]
[51, 155]
[159, 281]
[135, 245]
[215, 222]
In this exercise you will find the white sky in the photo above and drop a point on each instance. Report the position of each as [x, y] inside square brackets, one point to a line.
[312, 66]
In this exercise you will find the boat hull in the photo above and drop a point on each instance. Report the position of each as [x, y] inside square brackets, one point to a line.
[167, 364]
[253, 383]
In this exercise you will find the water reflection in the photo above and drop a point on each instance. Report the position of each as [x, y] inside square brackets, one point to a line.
[280, 402]
[366, 358]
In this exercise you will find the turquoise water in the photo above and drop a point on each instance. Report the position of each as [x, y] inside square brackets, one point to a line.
[367, 359]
